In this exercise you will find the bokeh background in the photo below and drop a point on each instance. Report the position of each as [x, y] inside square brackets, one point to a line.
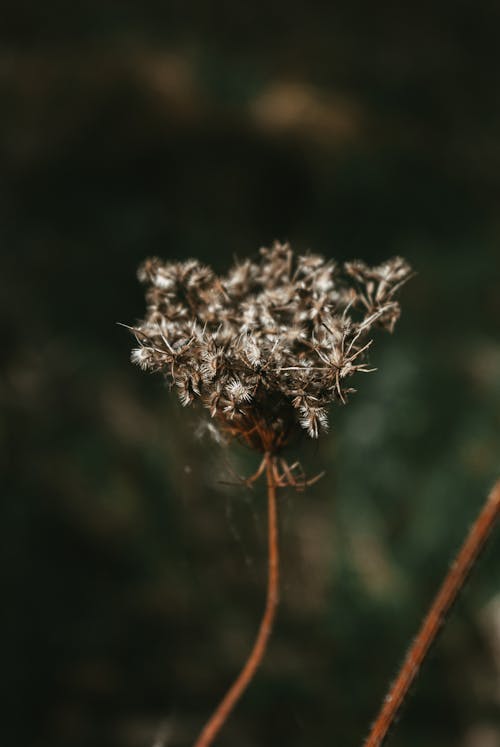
[133, 561]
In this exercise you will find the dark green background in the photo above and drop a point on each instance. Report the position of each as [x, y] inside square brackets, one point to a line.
[133, 575]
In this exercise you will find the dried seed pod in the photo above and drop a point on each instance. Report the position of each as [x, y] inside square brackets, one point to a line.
[268, 347]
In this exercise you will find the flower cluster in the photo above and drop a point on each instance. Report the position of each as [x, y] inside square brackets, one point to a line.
[269, 346]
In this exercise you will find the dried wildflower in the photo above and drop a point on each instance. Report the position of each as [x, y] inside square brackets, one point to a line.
[266, 349]
[270, 346]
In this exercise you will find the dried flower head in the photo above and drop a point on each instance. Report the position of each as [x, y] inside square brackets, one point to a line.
[271, 345]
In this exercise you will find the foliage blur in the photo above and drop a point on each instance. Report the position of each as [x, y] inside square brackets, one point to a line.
[133, 560]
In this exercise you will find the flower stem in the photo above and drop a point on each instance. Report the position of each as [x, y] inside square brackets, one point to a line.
[447, 594]
[238, 687]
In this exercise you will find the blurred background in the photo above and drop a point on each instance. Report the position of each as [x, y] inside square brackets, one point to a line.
[133, 561]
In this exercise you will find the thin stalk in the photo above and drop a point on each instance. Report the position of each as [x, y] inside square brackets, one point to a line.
[238, 687]
[451, 587]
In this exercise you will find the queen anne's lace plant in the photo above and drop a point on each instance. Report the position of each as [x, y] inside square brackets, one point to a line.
[268, 347]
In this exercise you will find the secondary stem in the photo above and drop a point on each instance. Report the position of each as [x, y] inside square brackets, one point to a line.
[236, 690]
[451, 587]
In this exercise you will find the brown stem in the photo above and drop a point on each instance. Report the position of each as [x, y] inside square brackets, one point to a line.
[452, 585]
[236, 690]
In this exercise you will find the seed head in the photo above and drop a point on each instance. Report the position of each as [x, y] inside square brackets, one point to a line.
[268, 347]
